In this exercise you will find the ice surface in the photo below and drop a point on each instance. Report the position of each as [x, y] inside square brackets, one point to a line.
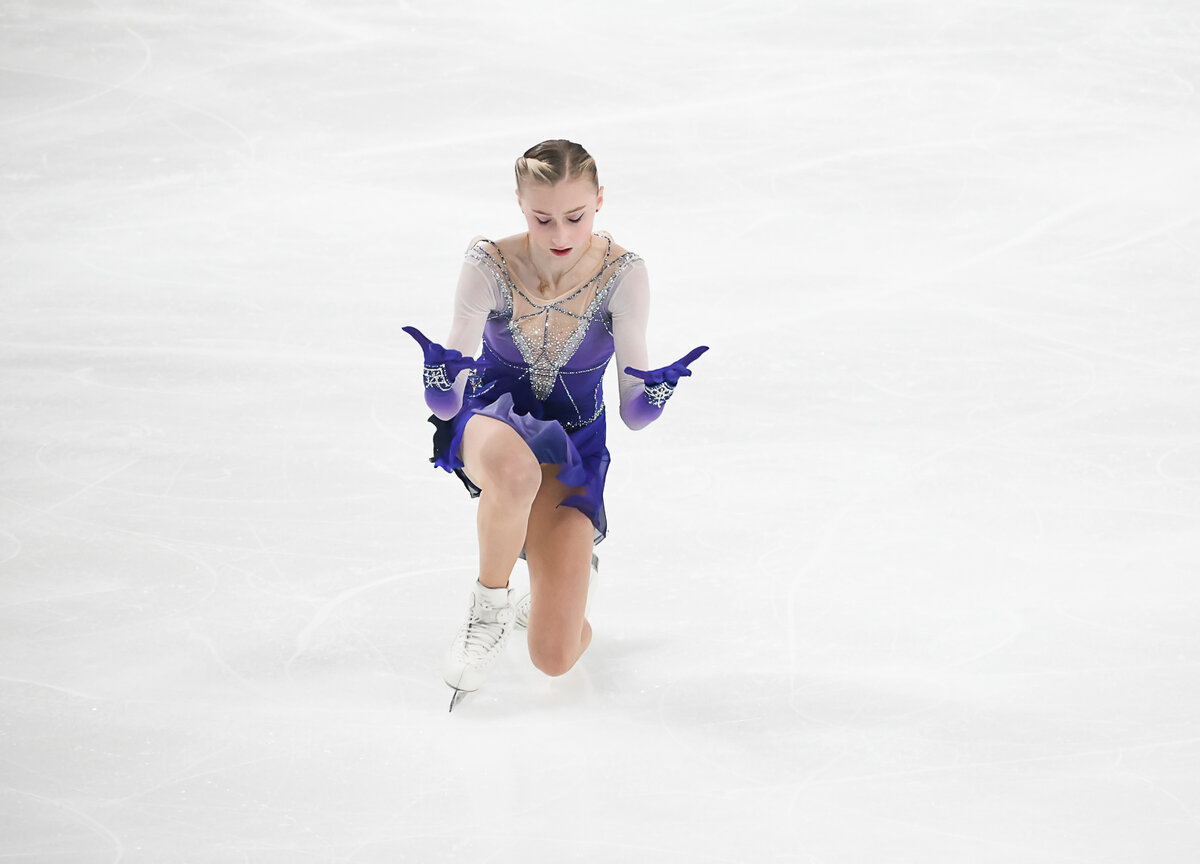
[906, 573]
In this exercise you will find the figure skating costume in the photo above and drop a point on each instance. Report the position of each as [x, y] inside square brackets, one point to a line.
[542, 366]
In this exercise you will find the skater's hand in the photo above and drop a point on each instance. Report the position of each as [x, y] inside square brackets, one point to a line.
[660, 383]
[442, 365]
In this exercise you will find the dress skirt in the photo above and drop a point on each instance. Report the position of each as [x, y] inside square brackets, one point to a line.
[580, 454]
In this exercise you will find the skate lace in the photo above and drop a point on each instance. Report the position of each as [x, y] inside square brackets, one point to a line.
[478, 638]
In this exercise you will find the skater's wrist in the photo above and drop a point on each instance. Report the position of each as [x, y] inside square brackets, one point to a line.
[639, 411]
[443, 403]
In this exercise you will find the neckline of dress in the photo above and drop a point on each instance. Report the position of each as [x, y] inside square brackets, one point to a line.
[550, 301]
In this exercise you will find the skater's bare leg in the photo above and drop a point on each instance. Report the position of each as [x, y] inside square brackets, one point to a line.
[501, 464]
[558, 548]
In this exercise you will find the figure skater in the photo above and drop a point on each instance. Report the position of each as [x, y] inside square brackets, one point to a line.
[523, 425]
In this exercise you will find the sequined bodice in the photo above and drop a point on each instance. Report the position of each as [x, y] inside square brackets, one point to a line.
[558, 349]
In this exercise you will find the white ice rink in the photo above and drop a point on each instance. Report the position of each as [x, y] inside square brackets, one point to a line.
[908, 571]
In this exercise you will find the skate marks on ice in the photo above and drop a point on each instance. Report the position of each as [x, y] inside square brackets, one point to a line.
[144, 58]
[68, 826]
[304, 638]
[990, 770]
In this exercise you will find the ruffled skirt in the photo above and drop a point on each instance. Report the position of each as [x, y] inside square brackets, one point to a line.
[581, 455]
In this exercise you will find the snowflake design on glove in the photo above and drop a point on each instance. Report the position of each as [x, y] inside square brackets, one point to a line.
[435, 378]
[658, 394]
[442, 365]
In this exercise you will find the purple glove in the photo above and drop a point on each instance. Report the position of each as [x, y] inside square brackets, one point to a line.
[660, 383]
[442, 365]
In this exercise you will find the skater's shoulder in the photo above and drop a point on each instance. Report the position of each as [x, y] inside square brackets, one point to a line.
[621, 263]
[485, 254]
[616, 250]
[499, 255]
[479, 242]
[512, 247]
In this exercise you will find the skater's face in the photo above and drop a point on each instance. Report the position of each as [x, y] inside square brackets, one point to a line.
[560, 217]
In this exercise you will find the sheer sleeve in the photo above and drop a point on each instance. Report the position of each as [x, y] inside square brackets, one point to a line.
[476, 297]
[629, 305]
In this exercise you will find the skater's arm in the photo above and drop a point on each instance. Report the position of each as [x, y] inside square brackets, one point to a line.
[629, 306]
[474, 299]
[644, 391]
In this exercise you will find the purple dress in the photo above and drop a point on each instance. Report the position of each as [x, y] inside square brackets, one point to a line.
[546, 361]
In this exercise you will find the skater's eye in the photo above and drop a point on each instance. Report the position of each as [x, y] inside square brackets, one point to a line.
[576, 219]
[543, 221]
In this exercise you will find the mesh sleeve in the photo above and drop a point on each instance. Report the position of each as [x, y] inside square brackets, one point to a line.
[476, 297]
[629, 306]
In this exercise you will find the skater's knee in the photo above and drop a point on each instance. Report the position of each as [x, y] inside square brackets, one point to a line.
[513, 475]
[553, 659]
[519, 479]
[500, 462]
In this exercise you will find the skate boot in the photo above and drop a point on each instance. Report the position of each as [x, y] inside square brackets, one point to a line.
[480, 640]
[522, 619]
[521, 622]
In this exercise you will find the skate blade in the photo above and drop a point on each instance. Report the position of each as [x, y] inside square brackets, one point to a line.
[459, 695]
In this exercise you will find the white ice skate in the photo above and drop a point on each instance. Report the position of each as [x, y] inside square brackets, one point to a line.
[480, 640]
[522, 619]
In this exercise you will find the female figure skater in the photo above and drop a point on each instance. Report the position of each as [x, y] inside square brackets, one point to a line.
[523, 426]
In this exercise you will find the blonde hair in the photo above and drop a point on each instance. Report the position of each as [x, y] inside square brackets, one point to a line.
[551, 161]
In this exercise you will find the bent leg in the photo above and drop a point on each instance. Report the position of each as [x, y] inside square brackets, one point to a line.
[558, 547]
[501, 464]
